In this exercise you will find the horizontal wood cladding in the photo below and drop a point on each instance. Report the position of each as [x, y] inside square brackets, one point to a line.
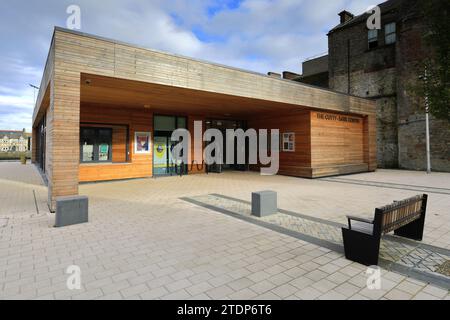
[202, 89]
[88, 54]
[336, 170]
[63, 125]
[114, 171]
[138, 120]
[336, 139]
[370, 142]
[326, 144]
[291, 163]
[167, 99]
[119, 144]
[43, 98]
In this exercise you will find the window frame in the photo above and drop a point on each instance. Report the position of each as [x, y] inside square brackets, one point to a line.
[287, 135]
[96, 144]
[392, 33]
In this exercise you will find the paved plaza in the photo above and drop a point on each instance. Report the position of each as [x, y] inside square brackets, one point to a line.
[169, 238]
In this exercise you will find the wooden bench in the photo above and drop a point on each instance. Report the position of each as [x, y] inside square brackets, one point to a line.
[362, 237]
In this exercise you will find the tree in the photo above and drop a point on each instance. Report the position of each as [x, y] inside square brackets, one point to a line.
[437, 65]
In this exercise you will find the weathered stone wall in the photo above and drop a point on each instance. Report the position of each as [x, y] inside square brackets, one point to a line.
[411, 109]
[389, 75]
[372, 75]
[315, 66]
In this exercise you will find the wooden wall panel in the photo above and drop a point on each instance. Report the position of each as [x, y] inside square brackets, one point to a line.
[337, 144]
[291, 163]
[370, 142]
[332, 145]
[63, 136]
[119, 144]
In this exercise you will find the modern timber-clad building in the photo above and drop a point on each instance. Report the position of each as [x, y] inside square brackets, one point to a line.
[106, 111]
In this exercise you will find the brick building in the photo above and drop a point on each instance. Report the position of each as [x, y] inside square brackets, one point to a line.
[14, 141]
[382, 65]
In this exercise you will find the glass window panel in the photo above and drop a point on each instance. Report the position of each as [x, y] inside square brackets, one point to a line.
[390, 28]
[373, 38]
[87, 142]
[182, 123]
[103, 152]
[373, 35]
[104, 142]
[96, 144]
[289, 142]
[391, 38]
[164, 123]
[390, 35]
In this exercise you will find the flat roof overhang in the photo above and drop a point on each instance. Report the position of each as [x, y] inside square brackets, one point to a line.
[124, 75]
[123, 93]
[193, 83]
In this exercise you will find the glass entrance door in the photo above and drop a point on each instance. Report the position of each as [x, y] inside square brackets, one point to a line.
[163, 162]
[223, 125]
[160, 159]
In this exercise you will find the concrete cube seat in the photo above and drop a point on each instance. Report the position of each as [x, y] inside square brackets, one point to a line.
[71, 210]
[264, 203]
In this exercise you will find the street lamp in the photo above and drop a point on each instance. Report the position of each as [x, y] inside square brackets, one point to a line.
[427, 119]
[34, 91]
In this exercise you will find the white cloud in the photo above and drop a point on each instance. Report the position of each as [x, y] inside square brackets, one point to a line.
[259, 35]
[16, 101]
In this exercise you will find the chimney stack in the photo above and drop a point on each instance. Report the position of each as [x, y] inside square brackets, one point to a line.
[274, 75]
[346, 16]
[290, 75]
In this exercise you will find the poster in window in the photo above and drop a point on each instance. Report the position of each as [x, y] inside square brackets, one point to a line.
[103, 154]
[88, 152]
[142, 142]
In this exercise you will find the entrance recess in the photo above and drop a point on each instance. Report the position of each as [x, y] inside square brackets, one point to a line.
[163, 162]
[223, 126]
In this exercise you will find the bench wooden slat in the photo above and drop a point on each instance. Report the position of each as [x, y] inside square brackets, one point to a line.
[400, 214]
[362, 237]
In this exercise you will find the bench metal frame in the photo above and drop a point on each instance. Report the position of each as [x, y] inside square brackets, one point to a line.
[365, 248]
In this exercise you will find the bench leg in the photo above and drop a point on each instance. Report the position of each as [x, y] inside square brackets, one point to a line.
[413, 231]
[361, 247]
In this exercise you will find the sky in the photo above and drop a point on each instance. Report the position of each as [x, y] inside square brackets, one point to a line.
[256, 35]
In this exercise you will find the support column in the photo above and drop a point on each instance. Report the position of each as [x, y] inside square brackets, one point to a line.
[63, 136]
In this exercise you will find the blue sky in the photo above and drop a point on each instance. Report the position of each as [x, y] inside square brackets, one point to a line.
[258, 35]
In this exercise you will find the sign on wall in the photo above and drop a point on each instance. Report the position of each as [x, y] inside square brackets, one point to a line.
[336, 117]
[142, 142]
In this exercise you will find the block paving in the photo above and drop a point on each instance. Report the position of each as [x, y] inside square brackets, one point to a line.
[144, 242]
